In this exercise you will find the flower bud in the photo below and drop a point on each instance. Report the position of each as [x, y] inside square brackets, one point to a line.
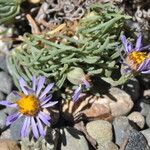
[76, 76]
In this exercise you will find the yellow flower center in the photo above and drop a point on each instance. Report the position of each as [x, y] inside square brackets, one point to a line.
[28, 105]
[134, 59]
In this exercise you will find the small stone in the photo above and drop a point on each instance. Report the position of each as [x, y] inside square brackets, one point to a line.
[137, 118]
[132, 88]
[100, 130]
[6, 82]
[144, 108]
[146, 133]
[3, 65]
[6, 134]
[122, 129]
[3, 117]
[136, 141]
[72, 139]
[121, 102]
[9, 145]
[97, 111]
[148, 119]
[108, 146]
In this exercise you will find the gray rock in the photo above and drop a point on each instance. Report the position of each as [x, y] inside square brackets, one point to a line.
[3, 117]
[6, 82]
[146, 133]
[15, 128]
[132, 88]
[122, 129]
[3, 65]
[136, 141]
[72, 139]
[121, 102]
[148, 119]
[105, 128]
[145, 107]
[137, 118]
[50, 142]
[6, 134]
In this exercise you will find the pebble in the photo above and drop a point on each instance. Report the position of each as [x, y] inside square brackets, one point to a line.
[6, 134]
[121, 102]
[122, 129]
[3, 117]
[72, 139]
[9, 145]
[145, 107]
[132, 88]
[148, 119]
[137, 118]
[6, 84]
[100, 130]
[146, 133]
[3, 65]
[136, 141]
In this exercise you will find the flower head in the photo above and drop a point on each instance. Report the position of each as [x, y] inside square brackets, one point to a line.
[30, 105]
[136, 59]
[77, 92]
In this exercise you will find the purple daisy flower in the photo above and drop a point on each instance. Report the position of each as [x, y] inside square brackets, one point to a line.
[136, 59]
[31, 104]
[77, 92]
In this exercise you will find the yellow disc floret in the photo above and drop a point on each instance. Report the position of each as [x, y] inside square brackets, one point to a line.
[28, 105]
[134, 59]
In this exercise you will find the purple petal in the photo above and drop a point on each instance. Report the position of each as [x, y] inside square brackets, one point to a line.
[124, 42]
[46, 99]
[30, 91]
[45, 115]
[86, 83]
[76, 94]
[34, 128]
[40, 85]
[138, 43]
[50, 104]
[22, 85]
[130, 48]
[47, 89]
[25, 128]
[144, 65]
[16, 94]
[146, 72]
[8, 104]
[33, 83]
[44, 119]
[12, 117]
[40, 126]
